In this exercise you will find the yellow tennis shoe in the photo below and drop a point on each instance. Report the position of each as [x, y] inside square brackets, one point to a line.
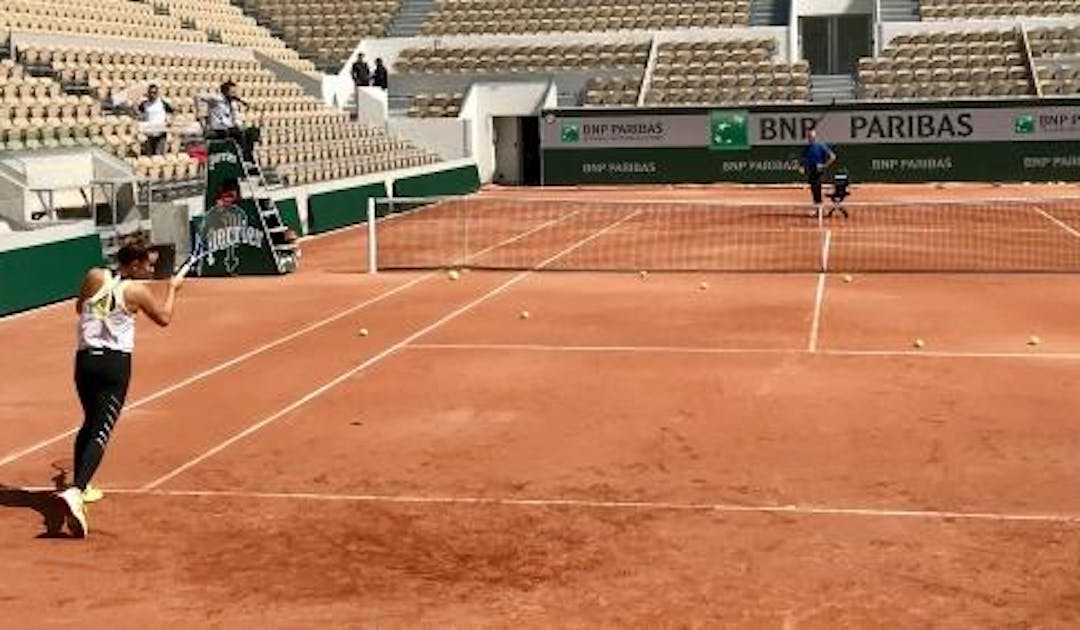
[92, 494]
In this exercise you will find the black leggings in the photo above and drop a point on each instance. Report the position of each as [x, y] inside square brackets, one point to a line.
[814, 177]
[101, 378]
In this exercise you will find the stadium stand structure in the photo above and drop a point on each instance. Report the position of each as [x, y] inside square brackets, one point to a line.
[325, 33]
[949, 64]
[325, 143]
[1056, 57]
[951, 9]
[725, 71]
[453, 17]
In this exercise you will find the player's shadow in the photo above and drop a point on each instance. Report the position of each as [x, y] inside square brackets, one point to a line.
[43, 502]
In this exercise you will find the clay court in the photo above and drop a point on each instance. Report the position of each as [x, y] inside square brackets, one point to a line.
[767, 449]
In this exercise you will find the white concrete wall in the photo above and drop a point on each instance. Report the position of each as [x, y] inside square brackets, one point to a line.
[50, 234]
[371, 106]
[449, 137]
[833, 7]
[488, 100]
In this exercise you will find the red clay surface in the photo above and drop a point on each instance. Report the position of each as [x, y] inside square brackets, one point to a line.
[589, 466]
[717, 229]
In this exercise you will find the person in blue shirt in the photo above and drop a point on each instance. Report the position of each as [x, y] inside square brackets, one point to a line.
[817, 156]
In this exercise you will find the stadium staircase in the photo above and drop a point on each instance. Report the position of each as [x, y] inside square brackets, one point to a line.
[900, 11]
[410, 18]
[826, 88]
[770, 12]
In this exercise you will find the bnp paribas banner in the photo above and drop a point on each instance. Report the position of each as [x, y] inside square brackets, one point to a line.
[1007, 142]
[231, 230]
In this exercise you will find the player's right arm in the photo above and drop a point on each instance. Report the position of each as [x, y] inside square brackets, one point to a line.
[142, 299]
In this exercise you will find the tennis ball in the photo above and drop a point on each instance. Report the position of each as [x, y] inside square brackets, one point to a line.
[919, 343]
[848, 279]
[363, 332]
[524, 315]
[453, 275]
[1034, 340]
[704, 286]
[643, 274]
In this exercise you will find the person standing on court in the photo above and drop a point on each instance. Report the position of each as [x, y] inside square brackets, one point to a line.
[107, 306]
[817, 156]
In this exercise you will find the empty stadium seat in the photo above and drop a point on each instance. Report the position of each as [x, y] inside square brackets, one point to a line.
[967, 9]
[725, 71]
[326, 33]
[453, 17]
[948, 64]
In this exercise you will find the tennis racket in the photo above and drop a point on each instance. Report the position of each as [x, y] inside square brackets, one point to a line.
[199, 252]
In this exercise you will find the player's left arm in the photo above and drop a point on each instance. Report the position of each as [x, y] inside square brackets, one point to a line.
[832, 157]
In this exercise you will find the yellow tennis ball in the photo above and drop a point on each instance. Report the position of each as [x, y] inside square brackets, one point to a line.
[1034, 340]
[704, 286]
[363, 332]
[848, 279]
[524, 315]
[453, 274]
[919, 343]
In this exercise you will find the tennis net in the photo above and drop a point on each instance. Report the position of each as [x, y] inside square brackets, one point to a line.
[586, 235]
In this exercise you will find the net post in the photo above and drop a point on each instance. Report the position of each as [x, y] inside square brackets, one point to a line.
[372, 244]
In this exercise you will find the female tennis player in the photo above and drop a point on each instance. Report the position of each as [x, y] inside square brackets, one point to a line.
[107, 306]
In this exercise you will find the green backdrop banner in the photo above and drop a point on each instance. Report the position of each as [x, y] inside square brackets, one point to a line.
[231, 229]
[41, 274]
[875, 142]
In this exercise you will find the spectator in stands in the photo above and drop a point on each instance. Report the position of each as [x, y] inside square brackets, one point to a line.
[222, 121]
[817, 156]
[155, 112]
[381, 77]
[361, 73]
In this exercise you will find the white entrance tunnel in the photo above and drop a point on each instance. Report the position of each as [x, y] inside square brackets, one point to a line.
[493, 111]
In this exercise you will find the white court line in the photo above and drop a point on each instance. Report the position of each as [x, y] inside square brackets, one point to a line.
[377, 358]
[667, 506]
[815, 323]
[928, 354]
[819, 296]
[1056, 221]
[11, 457]
[602, 349]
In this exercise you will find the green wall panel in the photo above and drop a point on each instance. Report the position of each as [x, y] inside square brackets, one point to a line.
[42, 274]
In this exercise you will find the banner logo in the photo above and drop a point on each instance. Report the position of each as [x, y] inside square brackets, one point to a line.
[1024, 125]
[729, 130]
[571, 133]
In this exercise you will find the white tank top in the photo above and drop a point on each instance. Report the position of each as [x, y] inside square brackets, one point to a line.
[105, 323]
